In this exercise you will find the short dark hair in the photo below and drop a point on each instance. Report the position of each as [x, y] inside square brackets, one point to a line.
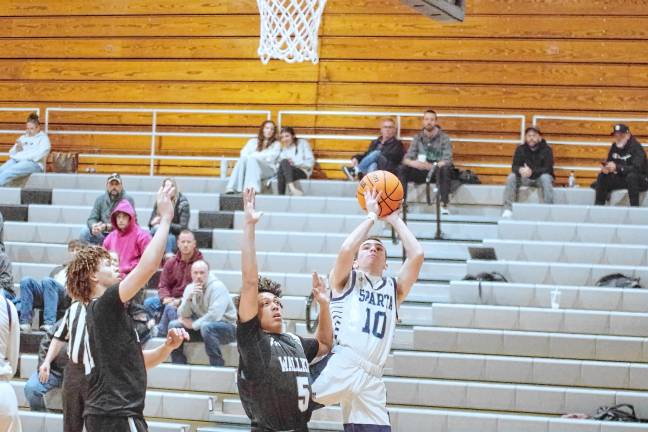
[187, 231]
[532, 128]
[374, 238]
[264, 284]
[430, 111]
[75, 244]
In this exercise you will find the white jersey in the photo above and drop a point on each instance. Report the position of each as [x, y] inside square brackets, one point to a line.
[365, 315]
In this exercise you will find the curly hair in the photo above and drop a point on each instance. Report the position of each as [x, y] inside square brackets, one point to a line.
[264, 285]
[84, 264]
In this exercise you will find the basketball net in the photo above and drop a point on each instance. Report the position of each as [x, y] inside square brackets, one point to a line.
[289, 29]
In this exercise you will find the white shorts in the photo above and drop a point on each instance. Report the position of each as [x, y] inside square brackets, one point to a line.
[357, 386]
[9, 418]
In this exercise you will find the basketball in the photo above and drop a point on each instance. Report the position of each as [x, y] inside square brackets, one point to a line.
[383, 181]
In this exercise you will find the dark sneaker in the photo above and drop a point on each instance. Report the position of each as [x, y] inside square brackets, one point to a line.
[350, 172]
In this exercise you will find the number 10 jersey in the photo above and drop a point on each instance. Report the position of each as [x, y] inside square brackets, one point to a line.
[365, 315]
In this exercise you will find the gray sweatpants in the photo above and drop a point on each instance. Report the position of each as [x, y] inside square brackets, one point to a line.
[513, 183]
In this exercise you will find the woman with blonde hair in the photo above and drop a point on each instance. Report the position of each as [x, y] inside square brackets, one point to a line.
[9, 349]
[180, 217]
[258, 161]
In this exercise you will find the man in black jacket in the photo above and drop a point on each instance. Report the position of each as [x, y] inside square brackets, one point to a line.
[532, 166]
[624, 168]
[385, 153]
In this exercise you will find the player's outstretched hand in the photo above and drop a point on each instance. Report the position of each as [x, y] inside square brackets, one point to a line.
[393, 217]
[251, 216]
[319, 290]
[175, 337]
[164, 203]
[371, 201]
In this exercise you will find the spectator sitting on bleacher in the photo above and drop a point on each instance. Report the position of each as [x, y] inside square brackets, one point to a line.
[98, 225]
[9, 352]
[50, 294]
[208, 313]
[127, 238]
[258, 161]
[430, 152]
[176, 275]
[6, 277]
[384, 153]
[28, 155]
[35, 390]
[624, 168]
[296, 161]
[181, 215]
[533, 165]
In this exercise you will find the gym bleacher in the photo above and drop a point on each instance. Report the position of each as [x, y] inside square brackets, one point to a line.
[502, 360]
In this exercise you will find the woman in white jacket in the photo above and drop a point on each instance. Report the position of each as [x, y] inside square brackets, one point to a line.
[28, 155]
[258, 161]
[296, 161]
[9, 349]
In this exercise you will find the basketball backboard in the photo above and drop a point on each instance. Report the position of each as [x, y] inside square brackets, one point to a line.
[442, 10]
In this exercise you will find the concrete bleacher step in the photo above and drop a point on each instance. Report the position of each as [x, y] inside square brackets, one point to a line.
[530, 344]
[160, 404]
[540, 319]
[580, 214]
[33, 421]
[571, 232]
[525, 398]
[231, 260]
[461, 420]
[79, 214]
[572, 253]
[538, 295]
[554, 272]
[307, 242]
[196, 355]
[185, 184]
[332, 223]
[520, 370]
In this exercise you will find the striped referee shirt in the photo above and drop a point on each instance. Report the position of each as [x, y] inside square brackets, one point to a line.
[73, 331]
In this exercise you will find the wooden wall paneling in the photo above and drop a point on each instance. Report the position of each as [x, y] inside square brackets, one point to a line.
[482, 49]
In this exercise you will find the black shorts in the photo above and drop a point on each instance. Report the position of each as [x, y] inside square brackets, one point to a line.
[95, 423]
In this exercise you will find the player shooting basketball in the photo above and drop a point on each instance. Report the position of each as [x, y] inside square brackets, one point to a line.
[364, 307]
[274, 375]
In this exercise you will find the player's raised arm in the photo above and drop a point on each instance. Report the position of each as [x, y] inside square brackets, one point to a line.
[324, 334]
[152, 256]
[344, 261]
[410, 269]
[248, 307]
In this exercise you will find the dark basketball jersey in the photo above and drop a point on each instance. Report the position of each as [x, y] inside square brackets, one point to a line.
[274, 377]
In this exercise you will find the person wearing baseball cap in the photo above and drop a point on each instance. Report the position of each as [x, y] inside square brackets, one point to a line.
[533, 165]
[99, 224]
[624, 168]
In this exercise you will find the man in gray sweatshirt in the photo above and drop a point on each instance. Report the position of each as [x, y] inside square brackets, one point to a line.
[207, 312]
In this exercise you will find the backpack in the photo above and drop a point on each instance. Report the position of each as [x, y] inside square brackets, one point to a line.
[486, 276]
[468, 177]
[618, 280]
[620, 413]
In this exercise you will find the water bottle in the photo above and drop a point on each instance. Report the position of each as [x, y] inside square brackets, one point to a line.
[571, 182]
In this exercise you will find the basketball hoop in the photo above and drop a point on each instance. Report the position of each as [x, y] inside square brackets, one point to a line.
[289, 29]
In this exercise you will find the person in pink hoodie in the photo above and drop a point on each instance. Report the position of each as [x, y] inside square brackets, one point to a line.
[126, 238]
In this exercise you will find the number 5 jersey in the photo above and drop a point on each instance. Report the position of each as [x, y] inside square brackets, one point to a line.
[274, 378]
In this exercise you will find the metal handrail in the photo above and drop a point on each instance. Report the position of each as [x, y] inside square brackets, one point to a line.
[154, 133]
